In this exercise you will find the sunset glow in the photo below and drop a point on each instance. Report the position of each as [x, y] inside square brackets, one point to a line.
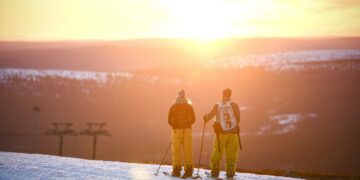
[201, 19]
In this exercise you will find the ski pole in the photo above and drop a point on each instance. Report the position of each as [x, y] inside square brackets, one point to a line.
[201, 148]
[163, 159]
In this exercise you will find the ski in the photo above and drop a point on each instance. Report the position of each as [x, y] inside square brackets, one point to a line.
[196, 177]
[190, 177]
[208, 176]
[167, 174]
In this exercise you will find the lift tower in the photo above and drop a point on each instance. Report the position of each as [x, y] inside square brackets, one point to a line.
[94, 130]
[61, 129]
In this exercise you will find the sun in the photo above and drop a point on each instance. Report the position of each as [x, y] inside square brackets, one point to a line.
[202, 20]
[202, 23]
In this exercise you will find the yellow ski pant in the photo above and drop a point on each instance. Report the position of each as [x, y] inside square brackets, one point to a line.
[229, 143]
[182, 142]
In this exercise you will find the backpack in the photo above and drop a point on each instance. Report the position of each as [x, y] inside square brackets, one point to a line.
[226, 114]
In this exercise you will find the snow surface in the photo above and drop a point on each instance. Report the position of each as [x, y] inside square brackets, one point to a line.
[284, 123]
[36, 166]
[292, 60]
[280, 61]
[100, 77]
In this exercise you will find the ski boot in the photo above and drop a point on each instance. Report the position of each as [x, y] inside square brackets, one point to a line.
[230, 172]
[188, 171]
[176, 171]
[215, 171]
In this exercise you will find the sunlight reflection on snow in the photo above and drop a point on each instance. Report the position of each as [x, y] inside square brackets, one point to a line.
[139, 172]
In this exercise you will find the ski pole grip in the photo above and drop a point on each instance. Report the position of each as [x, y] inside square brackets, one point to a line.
[205, 118]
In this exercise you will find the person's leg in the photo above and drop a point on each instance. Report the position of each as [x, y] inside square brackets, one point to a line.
[188, 153]
[176, 144]
[216, 154]
[231, 150]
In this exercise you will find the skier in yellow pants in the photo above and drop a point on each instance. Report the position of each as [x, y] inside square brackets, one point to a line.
[181, 117]
[229, 143]
[182, 137]
[226, 126]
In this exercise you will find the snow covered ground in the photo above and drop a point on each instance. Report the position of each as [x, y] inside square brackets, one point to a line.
[290, 60]
[100, 77]
[279, 61]
[35, 166]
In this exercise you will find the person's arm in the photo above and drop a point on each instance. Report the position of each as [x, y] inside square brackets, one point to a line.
[236, 110]
[192, 115]
[211, 114]
[170, 116]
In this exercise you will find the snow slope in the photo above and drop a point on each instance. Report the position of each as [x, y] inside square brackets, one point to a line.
[35, 166]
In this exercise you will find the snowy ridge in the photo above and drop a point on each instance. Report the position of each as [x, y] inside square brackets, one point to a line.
[274, 62]
[288, 121]
[8, 75]
[100, 77]
[286, 60]
[282, 123]
[34, 166]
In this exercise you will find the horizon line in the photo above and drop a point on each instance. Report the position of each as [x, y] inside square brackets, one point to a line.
[180, 38]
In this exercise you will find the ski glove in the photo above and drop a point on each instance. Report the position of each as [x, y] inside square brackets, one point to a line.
[205, 118]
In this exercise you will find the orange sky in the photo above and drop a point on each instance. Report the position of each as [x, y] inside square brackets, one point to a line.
[198, 19]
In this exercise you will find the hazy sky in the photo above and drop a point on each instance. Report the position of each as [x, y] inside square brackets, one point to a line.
[200, 19]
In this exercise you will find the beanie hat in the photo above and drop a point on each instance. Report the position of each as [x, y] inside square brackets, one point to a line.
[181, 93]
[181, 99]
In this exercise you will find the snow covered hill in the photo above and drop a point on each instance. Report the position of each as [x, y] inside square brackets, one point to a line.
[35, 166]
[99, 77]
[281, 61]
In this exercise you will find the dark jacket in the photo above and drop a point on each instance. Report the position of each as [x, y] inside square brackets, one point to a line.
[181, 116]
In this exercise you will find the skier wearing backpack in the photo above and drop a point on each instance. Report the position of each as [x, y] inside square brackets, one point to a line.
[226, 127]
[181, 117]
